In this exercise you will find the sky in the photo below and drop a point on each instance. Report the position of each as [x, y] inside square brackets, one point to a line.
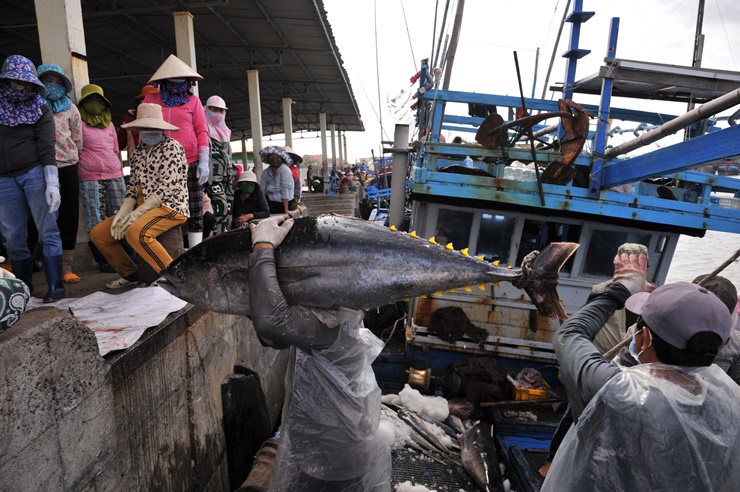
[659, 31]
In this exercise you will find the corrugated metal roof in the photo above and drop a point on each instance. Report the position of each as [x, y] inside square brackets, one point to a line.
[290, 42]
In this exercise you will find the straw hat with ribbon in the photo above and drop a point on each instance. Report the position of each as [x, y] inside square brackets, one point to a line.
[174, 68]
[150, 116]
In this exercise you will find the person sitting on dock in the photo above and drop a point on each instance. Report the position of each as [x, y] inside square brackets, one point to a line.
[329, 436]
[158, 184]
[249, 201]
[675, 402]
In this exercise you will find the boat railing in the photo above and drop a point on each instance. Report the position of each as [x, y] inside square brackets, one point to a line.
[690, 200]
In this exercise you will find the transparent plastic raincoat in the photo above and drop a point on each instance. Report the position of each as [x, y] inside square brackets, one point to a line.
[651, 427]
[328, 437]
[655, 427]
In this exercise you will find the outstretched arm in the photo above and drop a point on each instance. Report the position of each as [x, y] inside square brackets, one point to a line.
[272, 317]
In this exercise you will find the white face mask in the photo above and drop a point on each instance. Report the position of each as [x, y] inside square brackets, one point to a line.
[151, 137]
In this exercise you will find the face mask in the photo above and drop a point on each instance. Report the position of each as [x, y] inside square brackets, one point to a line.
[215, 117]
[247, 187]
[151, 137]
[633, 344]
[54, 92]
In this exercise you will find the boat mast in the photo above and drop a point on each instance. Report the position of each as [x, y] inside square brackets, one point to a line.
[450, 58]
[696, 58]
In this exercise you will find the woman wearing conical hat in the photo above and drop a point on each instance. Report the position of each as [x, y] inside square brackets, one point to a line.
[180, 108]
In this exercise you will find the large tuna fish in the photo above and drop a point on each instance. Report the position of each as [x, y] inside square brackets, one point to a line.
[478, 455]
[332, 261]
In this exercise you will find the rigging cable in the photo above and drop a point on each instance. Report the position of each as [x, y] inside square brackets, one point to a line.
[655, 29]
[729, 45]
[377, 70]
[434, 30]
[408, 34]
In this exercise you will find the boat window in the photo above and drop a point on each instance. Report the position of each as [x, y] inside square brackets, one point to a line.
[538, 234]
[494, 238]
[453, 226]
[603, 247]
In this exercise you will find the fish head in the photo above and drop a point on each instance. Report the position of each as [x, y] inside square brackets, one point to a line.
[212, 277]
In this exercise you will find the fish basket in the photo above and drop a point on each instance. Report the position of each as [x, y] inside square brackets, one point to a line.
[521, 394]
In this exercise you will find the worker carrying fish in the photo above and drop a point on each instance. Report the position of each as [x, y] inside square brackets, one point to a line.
[671, 422]
[156, 199]
[329, 435]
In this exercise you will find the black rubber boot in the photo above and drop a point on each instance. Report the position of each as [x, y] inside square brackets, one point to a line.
[23, 270]
[103, 264]
[53, 272]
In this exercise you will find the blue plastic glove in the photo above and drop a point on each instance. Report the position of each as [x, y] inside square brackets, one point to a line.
[203, 172]
[53, 198]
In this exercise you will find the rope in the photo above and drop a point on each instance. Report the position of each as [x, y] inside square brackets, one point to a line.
[377, 71]
[729, 45]
[408, 34]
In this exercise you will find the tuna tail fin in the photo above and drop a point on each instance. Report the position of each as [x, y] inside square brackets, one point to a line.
[542, 285]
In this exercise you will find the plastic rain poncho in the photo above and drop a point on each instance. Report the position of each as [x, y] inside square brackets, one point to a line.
[329, 439]
[654, 427]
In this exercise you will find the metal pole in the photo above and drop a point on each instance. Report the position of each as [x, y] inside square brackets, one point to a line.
[555, 48]
[398, 179]
[453, 44]
[696, 58]
[712, 107]
[344, 138]
[536, 64]
[255, 118]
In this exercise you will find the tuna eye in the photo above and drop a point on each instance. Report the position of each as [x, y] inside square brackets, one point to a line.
[180, 274]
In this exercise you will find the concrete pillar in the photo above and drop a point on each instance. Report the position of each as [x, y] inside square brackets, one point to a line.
[288, 121]
[245, 154]
[333, 147]
[324, 158]
[255, 118]
[62, 39]
[339, 149]
[344, 144]
[398, 179]
[185, 40]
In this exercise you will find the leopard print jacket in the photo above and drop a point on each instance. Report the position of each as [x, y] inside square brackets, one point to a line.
[162, 171]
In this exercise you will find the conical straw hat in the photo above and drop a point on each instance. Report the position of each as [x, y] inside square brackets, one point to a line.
[174, 68]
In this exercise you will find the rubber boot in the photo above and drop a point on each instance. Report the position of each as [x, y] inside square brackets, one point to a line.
[102, 262]
[23, 270]
[68, 256]
[194, 239]
[53, 273]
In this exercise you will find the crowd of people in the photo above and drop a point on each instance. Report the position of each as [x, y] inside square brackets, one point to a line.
[61, 155]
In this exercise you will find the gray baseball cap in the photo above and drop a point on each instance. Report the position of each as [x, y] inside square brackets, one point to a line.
[678, 311]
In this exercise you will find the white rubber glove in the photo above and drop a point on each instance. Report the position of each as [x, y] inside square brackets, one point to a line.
[53, 198]
[116, 227]
[630, 270]
[203, 172]
[151, 202]
[3, 272]
[270, 231]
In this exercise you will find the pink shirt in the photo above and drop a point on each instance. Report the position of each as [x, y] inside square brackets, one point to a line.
[190, 118]
[99, 154]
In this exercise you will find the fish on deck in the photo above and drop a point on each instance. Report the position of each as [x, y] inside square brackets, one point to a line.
[333, 261]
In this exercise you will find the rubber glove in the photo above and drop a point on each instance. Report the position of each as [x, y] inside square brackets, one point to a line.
[630, 270]
[203, 172]
[120, 218]
[53, 198]
[151, 202]
[270, 231]
[3, 272]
